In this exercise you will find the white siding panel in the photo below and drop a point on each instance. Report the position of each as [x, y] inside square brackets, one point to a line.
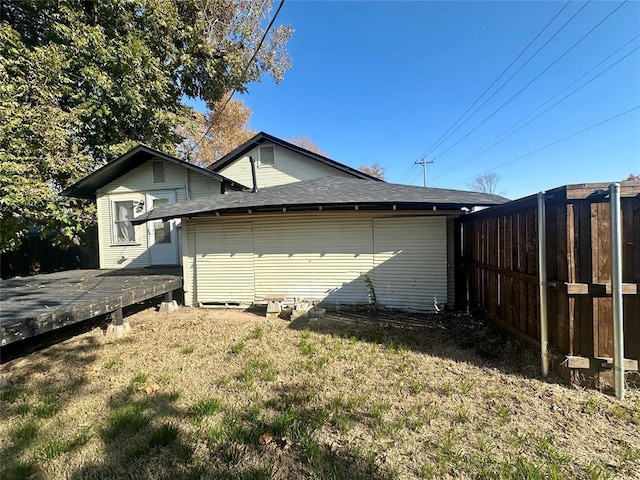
[410, 262]
[313, 258]
[189, 273]
[318, 256]
[289, 167]
[141, 179]
[224, 262]
[202, 186]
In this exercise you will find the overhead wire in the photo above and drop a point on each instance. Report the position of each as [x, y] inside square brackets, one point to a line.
[441, 140]
[497, 140]
[244, 72]
[555, 142]
[535, 78]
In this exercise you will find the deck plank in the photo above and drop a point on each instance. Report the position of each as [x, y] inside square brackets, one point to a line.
[33, 305]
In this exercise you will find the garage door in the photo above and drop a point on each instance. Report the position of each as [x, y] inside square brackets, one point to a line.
[323, 257]
[313, 258]
[224, 263]
[410, 262]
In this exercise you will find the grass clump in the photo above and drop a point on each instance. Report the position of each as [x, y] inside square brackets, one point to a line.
[256, 333]
[137, 382]
[164, 435]
[127, 418]
[188, 350]
[206, 407]
[236, 348]
[47, 407]
[24, 435]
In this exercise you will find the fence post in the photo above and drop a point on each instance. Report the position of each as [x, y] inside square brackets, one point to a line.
[616, 289]
[542, 282]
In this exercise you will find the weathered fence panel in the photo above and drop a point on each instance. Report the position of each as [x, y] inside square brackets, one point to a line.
[498, 272]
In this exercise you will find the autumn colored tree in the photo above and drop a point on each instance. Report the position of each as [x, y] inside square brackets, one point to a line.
[375, 170]
[83, 81]
[210, 136]
[632, 178]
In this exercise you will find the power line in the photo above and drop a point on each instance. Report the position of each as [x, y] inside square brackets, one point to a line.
[560, 92]
[407, 174]
[535, 78]
[255, 53]
[483, 150]
[439, 141]
[556, 142]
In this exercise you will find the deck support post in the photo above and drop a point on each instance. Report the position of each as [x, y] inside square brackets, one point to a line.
[168, 297]
[116, 317]
[616, 290]
[118, 326]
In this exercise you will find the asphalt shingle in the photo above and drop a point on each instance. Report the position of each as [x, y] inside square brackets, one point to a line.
[330, 192]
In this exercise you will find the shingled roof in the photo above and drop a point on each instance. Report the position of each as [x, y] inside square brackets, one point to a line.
[87, 186]
[326, 193]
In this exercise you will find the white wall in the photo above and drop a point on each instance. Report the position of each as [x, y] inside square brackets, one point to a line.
[182, 182]
[289, 167]
[319, 255]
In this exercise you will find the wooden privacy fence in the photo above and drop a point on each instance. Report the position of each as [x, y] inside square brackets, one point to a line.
[498, 273]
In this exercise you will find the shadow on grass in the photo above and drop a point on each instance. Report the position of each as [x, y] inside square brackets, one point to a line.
[455, 336]
[150, 437]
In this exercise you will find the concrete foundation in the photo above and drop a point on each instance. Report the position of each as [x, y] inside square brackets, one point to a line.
[115, 331]
[168, 307]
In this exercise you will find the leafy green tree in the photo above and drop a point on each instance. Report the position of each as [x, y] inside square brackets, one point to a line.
[83, 81]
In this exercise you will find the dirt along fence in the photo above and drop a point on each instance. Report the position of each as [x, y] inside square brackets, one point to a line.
[498, 274]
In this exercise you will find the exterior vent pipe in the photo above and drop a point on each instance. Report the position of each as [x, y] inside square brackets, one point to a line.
[253, 174]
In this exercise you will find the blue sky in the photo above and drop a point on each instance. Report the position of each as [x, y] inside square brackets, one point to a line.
[380, 82]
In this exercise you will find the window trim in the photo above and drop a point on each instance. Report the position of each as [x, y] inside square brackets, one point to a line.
[260, 163]
[136, 234]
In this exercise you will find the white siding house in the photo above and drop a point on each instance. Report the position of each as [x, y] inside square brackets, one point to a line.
[310, 227]
[319, 240]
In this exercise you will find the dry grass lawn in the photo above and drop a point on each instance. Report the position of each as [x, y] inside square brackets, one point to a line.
[230, 394]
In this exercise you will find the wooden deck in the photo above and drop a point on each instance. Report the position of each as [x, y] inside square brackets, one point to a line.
[33, 305]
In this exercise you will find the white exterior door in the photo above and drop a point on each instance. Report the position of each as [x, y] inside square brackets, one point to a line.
[163, 238]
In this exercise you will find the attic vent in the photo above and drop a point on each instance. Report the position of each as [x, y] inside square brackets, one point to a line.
[267, 155]
[158, 172]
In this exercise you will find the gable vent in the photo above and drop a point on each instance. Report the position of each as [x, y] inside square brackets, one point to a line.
[267, 155]
[158, 172]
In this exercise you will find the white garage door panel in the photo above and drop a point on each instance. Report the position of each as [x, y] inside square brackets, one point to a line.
[410, 258]
[224, 263]
[313, 258]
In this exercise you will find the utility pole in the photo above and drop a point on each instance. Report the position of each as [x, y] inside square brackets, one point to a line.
[424, 162]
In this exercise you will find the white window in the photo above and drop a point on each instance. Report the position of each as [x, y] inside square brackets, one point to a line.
[267, 155]
[123, 230]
